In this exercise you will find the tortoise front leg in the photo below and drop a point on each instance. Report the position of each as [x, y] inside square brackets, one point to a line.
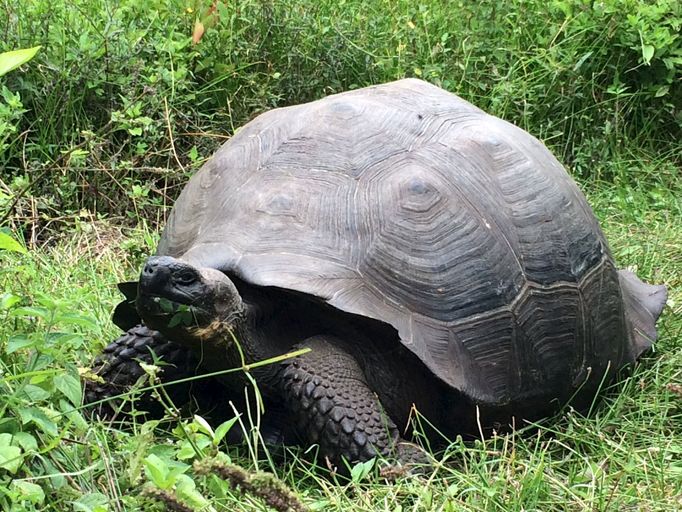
[333, 406]
[119, 368]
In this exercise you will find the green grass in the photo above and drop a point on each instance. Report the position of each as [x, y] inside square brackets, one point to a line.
[625, 456]
[118, 94]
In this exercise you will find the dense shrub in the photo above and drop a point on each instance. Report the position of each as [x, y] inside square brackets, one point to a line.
[124, 102]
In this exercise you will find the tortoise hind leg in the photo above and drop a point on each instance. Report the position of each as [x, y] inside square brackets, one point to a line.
[333, 406]
[119, 367]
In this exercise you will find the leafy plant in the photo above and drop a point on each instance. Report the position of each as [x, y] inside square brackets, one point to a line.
[124, 83]
[11, 107]
[14, 59]
[8, 243]
[39, 399]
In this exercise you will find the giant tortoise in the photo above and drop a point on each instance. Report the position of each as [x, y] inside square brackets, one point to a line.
[437, 262]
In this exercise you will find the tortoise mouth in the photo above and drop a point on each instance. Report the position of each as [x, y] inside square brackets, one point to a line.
[160, 312]
[182, 301]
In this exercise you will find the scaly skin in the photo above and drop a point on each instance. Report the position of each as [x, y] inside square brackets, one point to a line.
[119, 366]
[327, 392]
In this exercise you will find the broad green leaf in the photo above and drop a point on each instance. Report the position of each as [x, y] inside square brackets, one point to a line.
[223, 429]
[186, 490]
[166, 305]
[26, 441]
[326, 504]
[662, 91]
[647, 53]
[65, 339]
[193, 154]
[360, 471]
[70, 387]
[30, 491]
[186, 451]
[8, 300]
[175, 320]
[14, 59]
[39, 419]
[189, 450]
[157, 470]
[18, 342]
[74, 416]
[46, 301]
[56, 478]
[9, 425]
[76, 319]
[93, 502]
[42, 376]
[10, 244]
[35, 393]
[10, 456]
[173, 475]
[30, 311]
[203, 426]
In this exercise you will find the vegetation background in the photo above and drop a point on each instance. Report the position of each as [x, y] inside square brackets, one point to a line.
[119, 107]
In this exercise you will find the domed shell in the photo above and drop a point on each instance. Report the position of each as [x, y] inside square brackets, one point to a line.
[406, 204]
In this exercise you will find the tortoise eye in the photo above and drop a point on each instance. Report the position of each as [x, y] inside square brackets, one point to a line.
[185, 278]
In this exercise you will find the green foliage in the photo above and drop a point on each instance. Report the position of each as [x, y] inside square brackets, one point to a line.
[126, 99]
[8, 243]
[14, 59]
[11, 110]
[40, 392]
[11, 107]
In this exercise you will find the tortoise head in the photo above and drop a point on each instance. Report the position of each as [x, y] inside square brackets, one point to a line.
[186, 303]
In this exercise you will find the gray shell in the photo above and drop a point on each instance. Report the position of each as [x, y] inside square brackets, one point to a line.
[406, 204]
